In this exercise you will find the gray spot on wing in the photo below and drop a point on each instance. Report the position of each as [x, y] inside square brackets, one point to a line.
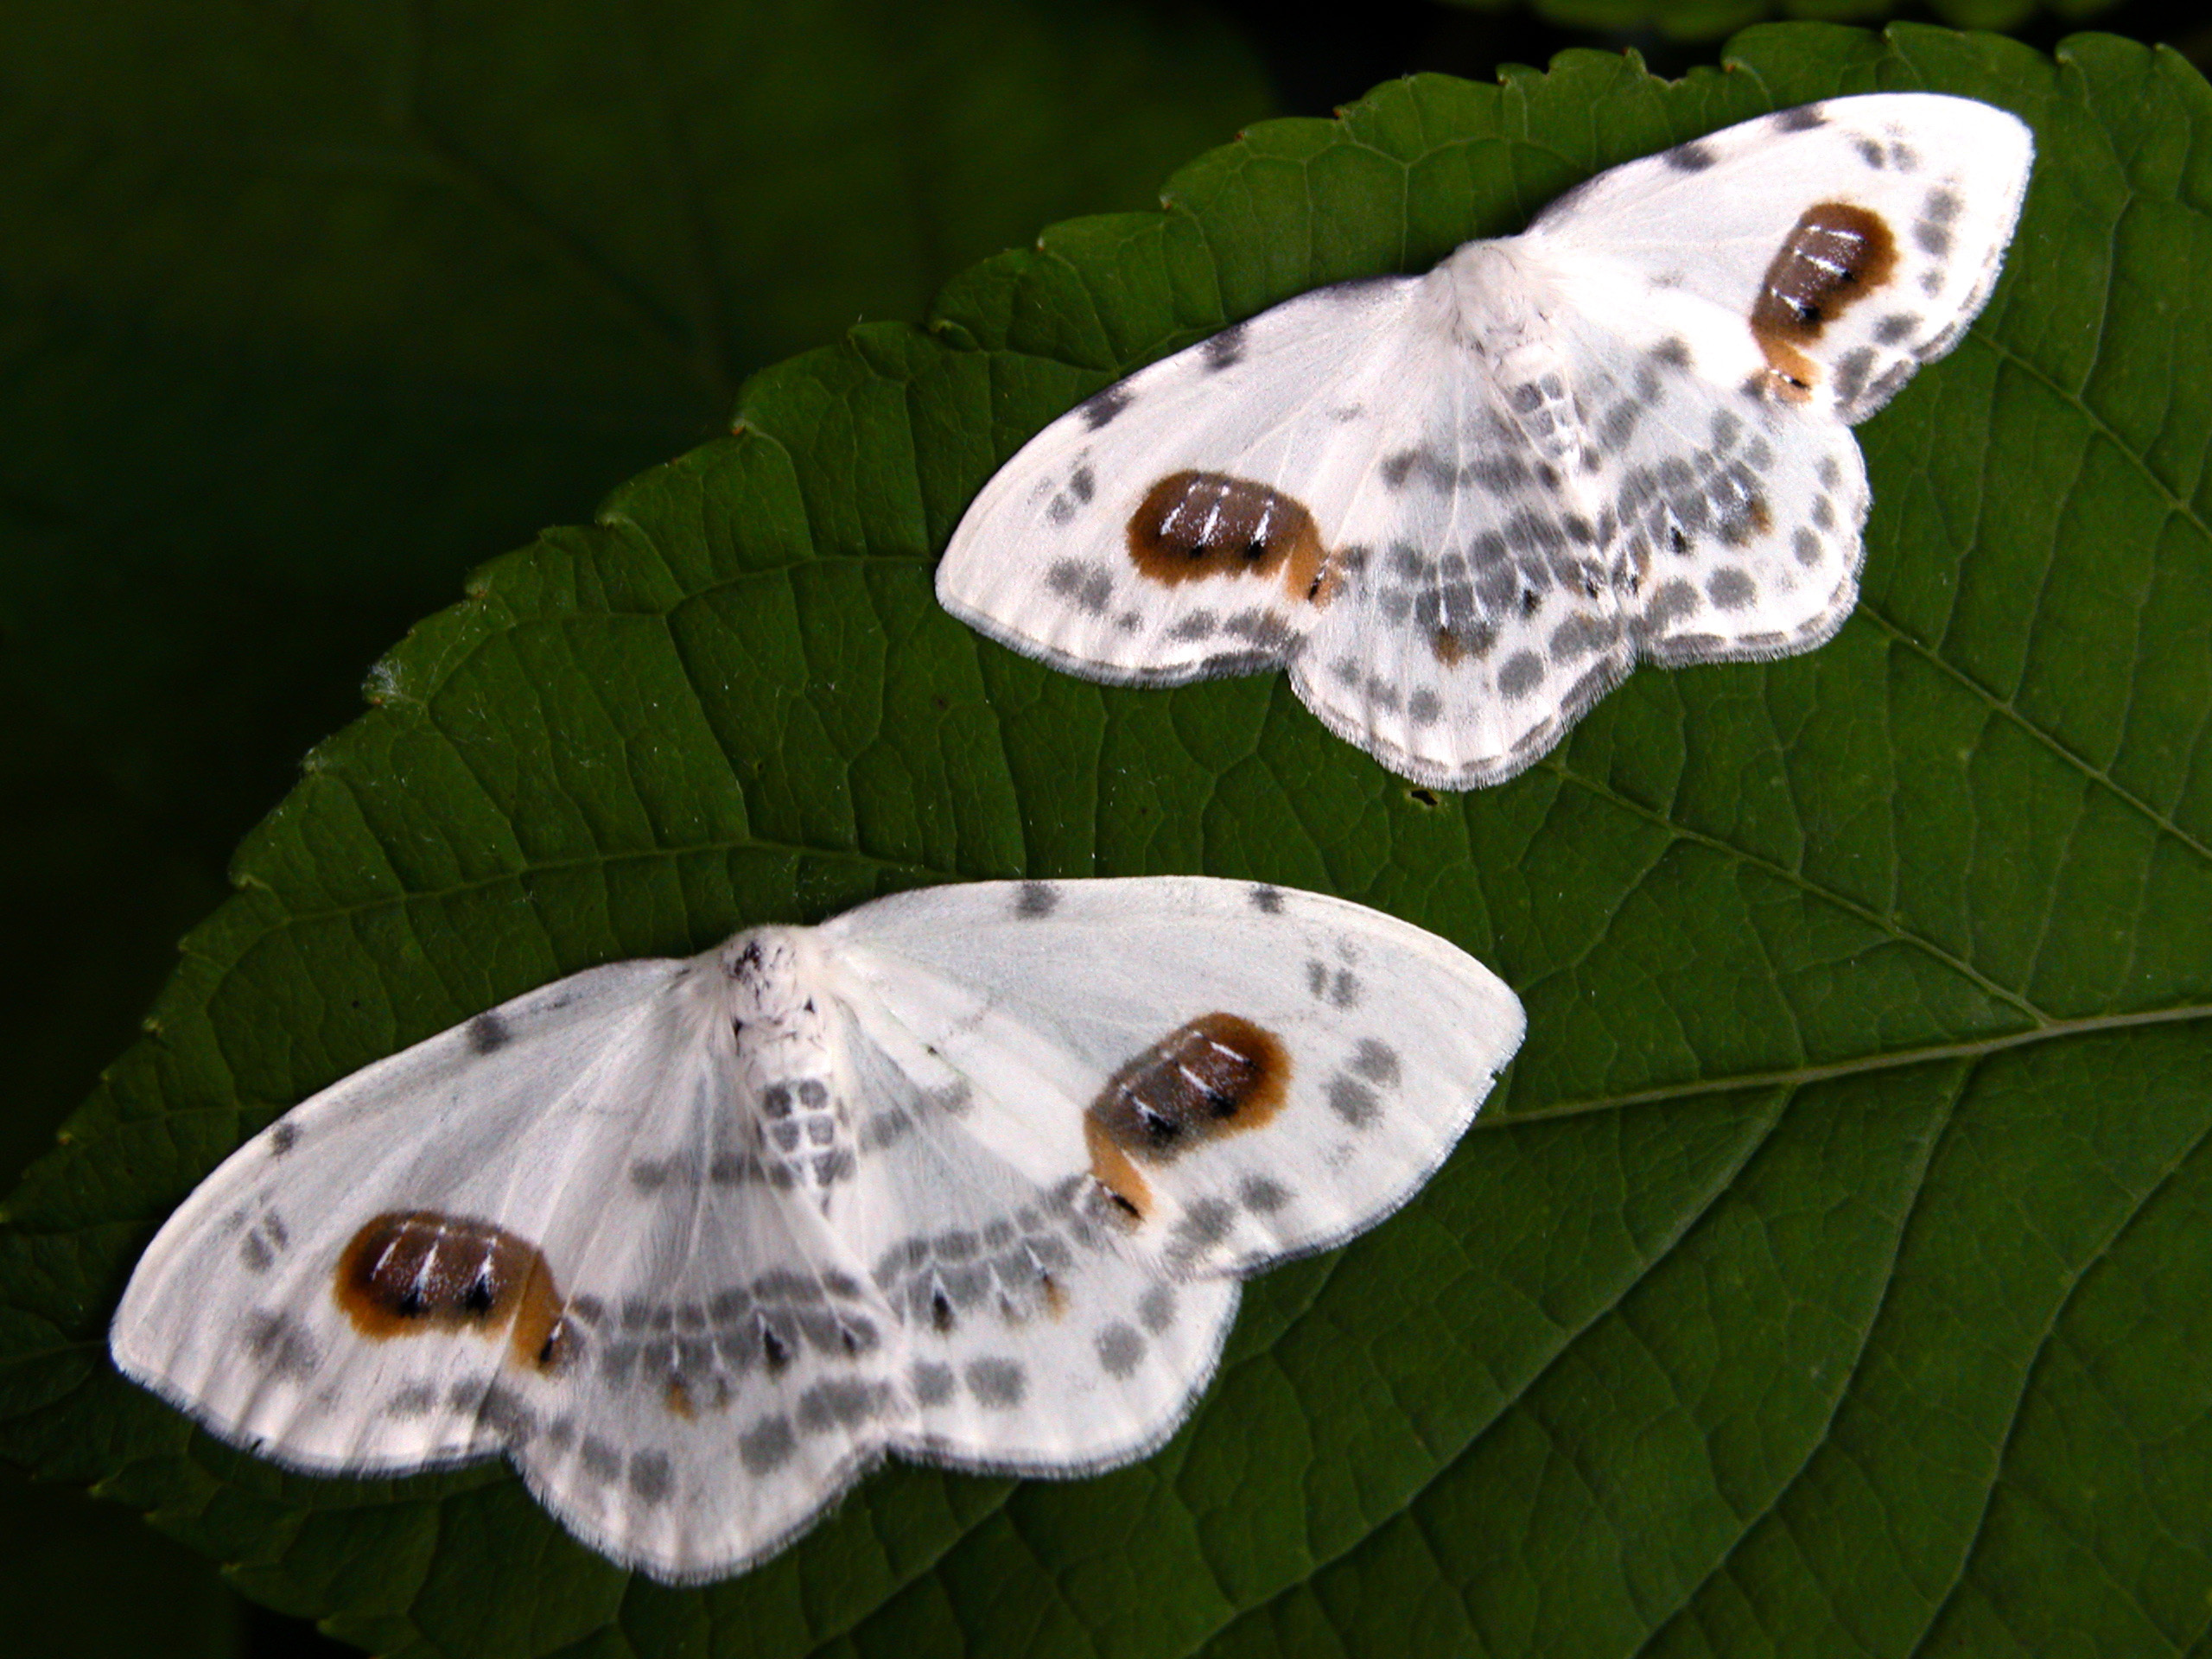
[501, 1410]
[412, 1401]
[1266, 899]
[999, 1383]
[1803, 118]
[600, 1459]
[282, 1347]
[1036, 899]
[1261, 627]
[841, 1402]
[1579, 635]
[1263, 1197]
[768, 1445]
[1121, 1350]
[1204, 1225]
[1091, 588]
[1671, 603]
[1690, 157]
[1198, 624]
[618, 1364]
[1731, 588]
[1098, 411]
[1376, 1061]
[1225, 350]
[884, 1128]
[1851, 370]
[932, 1383]
[652, 1478]
[487, 1032]
[1156, 1309]
[1352, 1101]
[1522, 673]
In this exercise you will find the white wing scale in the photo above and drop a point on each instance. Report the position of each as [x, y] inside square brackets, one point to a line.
[697, 1243]
[1458, 508]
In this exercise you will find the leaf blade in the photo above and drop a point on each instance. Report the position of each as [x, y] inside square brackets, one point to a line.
[1865, 992]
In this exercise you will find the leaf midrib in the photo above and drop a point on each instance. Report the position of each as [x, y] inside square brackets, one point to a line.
[1892, 1060]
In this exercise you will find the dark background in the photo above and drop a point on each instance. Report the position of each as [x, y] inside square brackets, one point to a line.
[265, 400]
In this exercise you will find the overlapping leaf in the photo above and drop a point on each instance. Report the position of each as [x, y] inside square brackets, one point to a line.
[1834, 1270]
[1709, 20]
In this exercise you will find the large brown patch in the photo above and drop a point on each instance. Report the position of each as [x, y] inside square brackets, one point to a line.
[1836, 255]
[410, 1271]
[1191, 526]
[1218, 1075]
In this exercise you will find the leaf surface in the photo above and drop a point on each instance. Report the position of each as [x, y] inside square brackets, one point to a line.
[1832, 1273]
[1709, 20]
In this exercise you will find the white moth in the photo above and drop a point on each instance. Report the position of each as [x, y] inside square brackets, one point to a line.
[1459, 507]
[968, 1174]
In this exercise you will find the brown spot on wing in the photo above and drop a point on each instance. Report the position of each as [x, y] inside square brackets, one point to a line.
[1191, 526]
[1753, 521]
[1110, 1166]
[415, 1270]
[1835, 255]
[1218, 1075]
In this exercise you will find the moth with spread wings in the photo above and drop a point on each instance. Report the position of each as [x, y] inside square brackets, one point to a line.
[968, 1174]
[1459, 507]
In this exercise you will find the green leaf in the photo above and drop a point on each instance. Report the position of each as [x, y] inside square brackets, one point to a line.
[1832, 1273]
[1709, 20]
[306, 307]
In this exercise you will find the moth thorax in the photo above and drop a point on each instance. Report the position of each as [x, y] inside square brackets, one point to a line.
[1487, 285]
[764, 969]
